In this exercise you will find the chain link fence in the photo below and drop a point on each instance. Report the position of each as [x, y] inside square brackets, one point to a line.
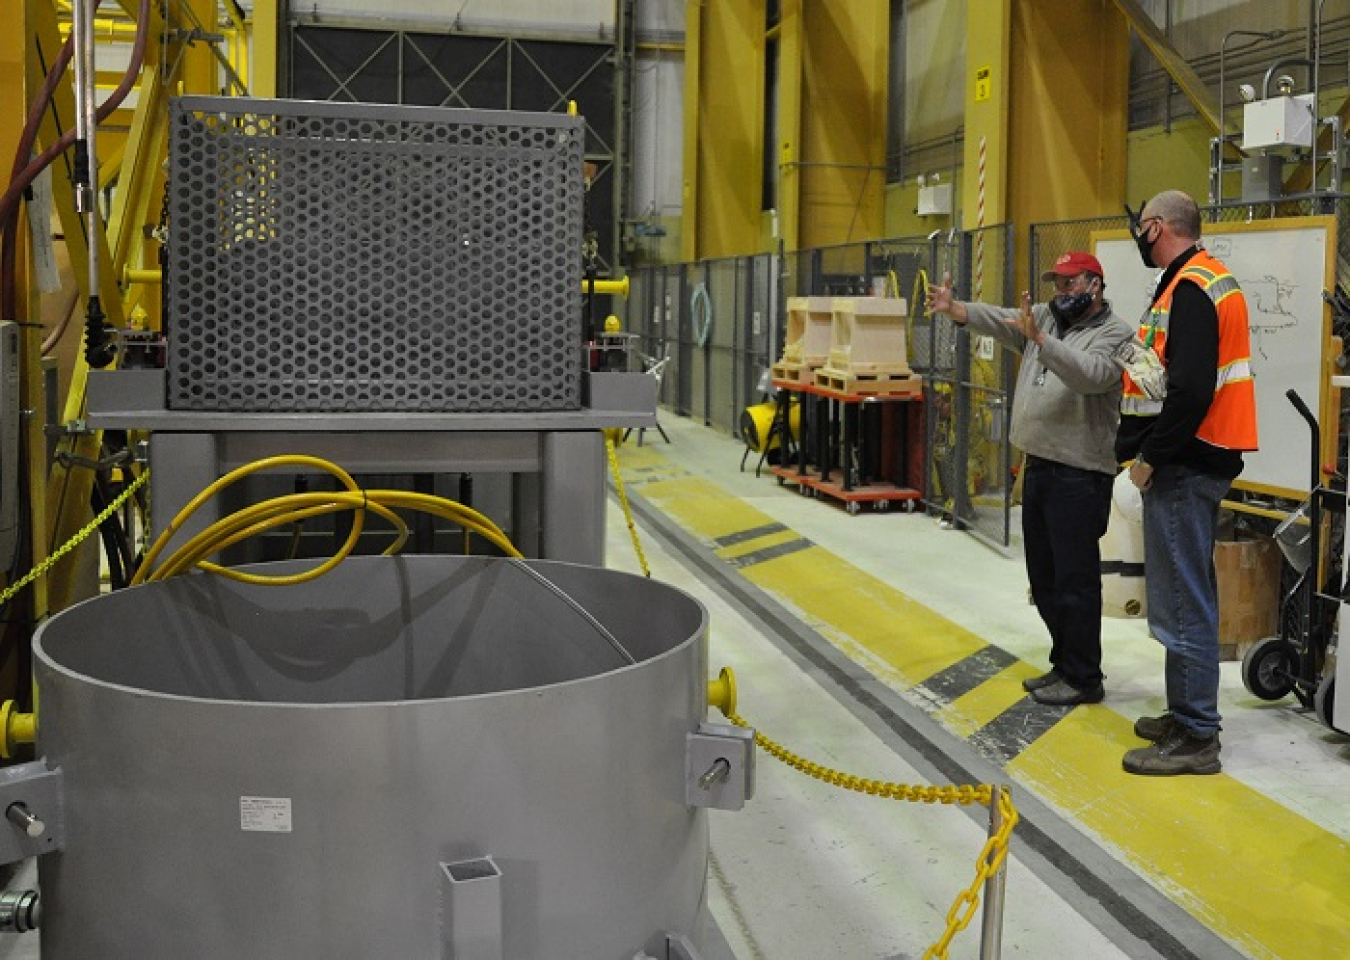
[714, 329]
[719, 326]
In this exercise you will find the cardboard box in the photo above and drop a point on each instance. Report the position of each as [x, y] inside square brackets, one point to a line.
[1249, 593]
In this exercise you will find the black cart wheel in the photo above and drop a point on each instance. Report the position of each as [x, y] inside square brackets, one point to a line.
[1268, 668]
[1324, 702]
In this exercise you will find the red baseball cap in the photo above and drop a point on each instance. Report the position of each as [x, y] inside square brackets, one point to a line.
[1073, 263]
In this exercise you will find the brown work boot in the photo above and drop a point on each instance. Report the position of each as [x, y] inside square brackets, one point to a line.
[1178, 752]
[1154, 728]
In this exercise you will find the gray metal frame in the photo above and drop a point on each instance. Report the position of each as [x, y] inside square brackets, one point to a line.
[555, 460]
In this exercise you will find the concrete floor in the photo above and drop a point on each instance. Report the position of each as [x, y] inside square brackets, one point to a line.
[808, 870]
[1252, 863]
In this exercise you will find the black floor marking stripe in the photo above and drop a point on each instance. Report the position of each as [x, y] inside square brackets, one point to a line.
[754, 533]
[965, 675]
[1016, 728]
[793, 633]
[770, 553]
[1122, 567]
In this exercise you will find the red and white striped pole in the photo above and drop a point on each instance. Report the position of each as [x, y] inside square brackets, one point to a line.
[979, 228]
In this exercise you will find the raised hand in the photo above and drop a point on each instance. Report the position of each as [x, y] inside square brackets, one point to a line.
[1024, 322]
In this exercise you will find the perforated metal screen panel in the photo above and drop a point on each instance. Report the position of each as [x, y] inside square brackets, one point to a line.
[364, 257]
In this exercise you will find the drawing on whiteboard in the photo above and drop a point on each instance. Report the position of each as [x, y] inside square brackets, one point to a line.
[1269, 299]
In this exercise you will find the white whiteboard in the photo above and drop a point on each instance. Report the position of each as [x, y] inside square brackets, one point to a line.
[1283, 267]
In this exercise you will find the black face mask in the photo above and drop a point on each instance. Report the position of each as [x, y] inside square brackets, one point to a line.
[1068, 308]
[1137, 232]
[1145, 249]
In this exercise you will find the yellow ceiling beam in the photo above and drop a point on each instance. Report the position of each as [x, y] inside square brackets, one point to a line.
[1205, 102]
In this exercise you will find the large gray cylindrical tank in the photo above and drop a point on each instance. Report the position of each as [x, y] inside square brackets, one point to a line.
[285, 772]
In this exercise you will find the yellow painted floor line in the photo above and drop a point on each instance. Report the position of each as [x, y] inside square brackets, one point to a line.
[1252, 870]
[1249, 868]
[854, 609]
[968, 713]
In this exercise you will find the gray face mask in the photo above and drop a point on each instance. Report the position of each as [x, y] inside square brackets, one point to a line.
[1069, 308]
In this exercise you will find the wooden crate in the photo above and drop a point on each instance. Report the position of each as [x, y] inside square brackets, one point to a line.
[867, 335]
[809, 322]
[1248, 573]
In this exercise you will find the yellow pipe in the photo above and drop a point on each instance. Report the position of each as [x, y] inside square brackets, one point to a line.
[602, 287]
[19, 728]
[104, 28]
[722, 692]
[132, 275]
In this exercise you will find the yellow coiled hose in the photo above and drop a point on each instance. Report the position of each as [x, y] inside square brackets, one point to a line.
[293, 508]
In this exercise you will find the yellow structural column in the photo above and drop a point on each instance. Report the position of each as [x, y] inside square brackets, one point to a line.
[693, 54]
[201, 69]
[988, 100]
[265, 19]
[723, 128]
[1047, 88]
[789, 122]
[844, 98]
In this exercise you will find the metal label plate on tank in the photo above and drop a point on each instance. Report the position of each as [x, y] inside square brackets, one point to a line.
[265, 814]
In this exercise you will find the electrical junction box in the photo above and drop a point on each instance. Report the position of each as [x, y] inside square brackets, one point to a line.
[1278, 122]
[935, 199]
[1263, 177]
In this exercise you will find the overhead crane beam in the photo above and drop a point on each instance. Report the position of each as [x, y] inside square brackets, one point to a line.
[1196, 90]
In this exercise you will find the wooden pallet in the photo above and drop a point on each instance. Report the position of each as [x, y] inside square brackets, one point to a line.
[865, 384]
[794, 372]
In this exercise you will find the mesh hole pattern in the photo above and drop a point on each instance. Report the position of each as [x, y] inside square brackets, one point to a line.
[364, 257]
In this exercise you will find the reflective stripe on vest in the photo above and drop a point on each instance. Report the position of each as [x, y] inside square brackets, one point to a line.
[1231, 420]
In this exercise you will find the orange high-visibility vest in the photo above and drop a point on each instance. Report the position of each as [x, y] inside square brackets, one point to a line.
[1231, 421]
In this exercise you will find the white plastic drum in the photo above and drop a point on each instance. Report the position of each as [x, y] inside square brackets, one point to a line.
[1122, 549]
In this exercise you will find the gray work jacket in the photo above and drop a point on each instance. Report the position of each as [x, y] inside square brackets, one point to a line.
[1066, 405]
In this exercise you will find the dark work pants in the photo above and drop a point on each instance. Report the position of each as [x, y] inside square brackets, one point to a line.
[1064, 515]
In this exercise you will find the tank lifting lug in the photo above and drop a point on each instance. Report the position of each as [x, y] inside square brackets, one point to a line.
[719, 766]
[31, 797]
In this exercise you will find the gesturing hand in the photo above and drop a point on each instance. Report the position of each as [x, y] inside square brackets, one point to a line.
[1025, 323]
[939, 299]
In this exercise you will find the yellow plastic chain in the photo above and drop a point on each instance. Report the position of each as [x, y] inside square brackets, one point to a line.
[986, 864]
[627, 510]
[995, 849]
[74, 541]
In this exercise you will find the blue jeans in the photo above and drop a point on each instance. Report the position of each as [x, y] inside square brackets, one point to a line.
[1180, 512]
[1064, 514]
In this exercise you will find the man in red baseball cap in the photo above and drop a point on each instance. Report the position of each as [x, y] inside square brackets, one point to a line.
[1064, 417]
[1072, 264]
